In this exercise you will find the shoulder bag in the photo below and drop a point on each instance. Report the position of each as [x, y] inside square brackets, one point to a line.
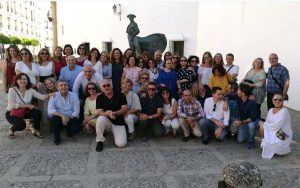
[20, 112]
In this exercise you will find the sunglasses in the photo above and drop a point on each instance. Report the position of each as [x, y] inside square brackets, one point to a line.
[151, 89]
[44, 53]
[91, 88]
[106, 85]
[145, 78]
[280, 100]
[165, 92]
[25, 53]
[206, 57]
[214, 109]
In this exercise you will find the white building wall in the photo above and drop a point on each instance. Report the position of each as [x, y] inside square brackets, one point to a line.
[251, 29]
[97, 22]
[246, 28]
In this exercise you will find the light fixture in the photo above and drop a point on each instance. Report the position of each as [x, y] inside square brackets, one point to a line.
[117, 10]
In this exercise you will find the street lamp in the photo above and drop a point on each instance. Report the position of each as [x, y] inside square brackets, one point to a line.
[117, 10]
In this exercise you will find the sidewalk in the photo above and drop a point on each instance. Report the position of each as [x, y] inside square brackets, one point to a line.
[165, 162]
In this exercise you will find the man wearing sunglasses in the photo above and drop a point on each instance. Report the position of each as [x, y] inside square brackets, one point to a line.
[110, 107]
[152, 107]
[216, 117]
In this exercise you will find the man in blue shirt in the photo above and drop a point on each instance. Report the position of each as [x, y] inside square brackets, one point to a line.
[70, 72]
[63, 110]
[248, 123]
[278, 79]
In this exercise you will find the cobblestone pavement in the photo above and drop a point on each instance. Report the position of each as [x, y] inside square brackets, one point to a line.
[165, 162]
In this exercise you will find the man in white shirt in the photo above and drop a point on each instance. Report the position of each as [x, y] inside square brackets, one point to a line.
[216, 118]
[88, 75]
[134, 107]
[232, 69]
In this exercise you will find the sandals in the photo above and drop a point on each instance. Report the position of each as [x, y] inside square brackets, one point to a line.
[37, 134]
[11, 134]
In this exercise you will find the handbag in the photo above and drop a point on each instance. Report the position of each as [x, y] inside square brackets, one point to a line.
[20, 112]
[281, 135]
[277, 82]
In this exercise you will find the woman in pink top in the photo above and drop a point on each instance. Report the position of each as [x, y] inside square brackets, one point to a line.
[131, 71]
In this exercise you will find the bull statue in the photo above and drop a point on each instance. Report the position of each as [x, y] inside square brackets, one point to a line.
[150, 43]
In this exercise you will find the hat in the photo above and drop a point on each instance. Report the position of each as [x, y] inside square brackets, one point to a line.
[131, 16]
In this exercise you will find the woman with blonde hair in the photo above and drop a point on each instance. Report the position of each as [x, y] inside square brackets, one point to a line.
[257, 75]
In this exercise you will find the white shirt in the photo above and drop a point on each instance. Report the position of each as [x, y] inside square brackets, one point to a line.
[233, 70]
[82, 81]
[133, 101]
[46, 70]
[97, 67]
[206, 73]
[22, 67]
[219, 113]
[14, 100]
[168, 108]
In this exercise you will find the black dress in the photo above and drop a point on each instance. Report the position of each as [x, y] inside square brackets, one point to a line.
[185, 74]
[117, 71]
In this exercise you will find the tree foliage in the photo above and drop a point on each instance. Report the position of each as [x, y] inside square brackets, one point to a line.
[14, 40]
[4, 39]
[35, 42]
[25, 41]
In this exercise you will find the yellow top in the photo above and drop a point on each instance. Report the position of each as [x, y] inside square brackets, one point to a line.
[213, 82]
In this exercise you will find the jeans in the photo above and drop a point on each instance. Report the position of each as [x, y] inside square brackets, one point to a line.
[208, 128]
[269, 100]
[247, 132]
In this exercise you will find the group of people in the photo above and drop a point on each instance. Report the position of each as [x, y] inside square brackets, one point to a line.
[156, 96]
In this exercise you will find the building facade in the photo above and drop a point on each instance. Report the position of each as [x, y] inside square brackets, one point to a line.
[25, 19]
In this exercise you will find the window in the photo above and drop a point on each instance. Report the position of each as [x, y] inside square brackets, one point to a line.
[11, 7]
[1, 6]
[7, 6]
[107, 46]
[1, 25]
[22, 29]
[16, 25]
[26, 15]
[27, 29]
[8, 23]
[21, 13]
[177, 47]
[32, 30]
[15, 8]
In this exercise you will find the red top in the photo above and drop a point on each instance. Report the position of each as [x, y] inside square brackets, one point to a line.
[80, 63]
[10, 74]
[59, 65]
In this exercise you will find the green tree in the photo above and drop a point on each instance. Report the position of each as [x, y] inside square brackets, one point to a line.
[3, 40]
[14, 40]
[25, 42]
[35, 42]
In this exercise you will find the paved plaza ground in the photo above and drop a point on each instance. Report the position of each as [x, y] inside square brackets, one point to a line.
[165, 162]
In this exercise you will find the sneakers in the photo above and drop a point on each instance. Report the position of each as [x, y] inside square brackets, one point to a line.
[131, 136]
[99, 146]
[251, 145]
[56, 142]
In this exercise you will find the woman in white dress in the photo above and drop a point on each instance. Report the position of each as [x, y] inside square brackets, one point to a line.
[170, 119]
[94, 59]
[46, 66]
[27, 66]
[276, 131]
[205, 69]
